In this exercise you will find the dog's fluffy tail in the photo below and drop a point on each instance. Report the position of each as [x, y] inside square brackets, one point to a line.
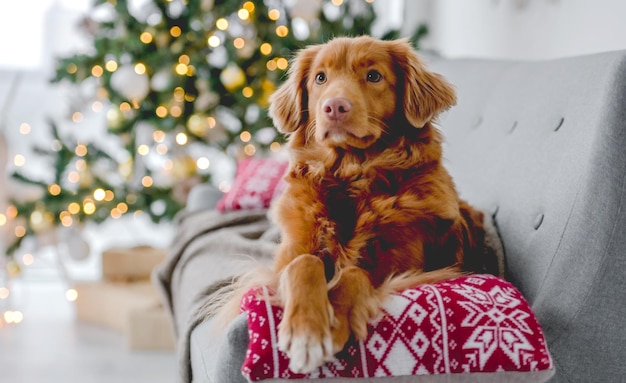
[410, 279]
[224, 305]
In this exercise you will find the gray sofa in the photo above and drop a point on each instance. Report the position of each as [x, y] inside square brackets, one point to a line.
[541, 145]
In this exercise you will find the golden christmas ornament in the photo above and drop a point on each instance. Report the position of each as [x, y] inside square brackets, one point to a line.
[198, 124]
[232, 77]
[13, 268]
[41, 220]
[125, 168]
[183, 167]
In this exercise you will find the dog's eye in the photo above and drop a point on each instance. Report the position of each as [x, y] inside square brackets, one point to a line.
[320, 78]
[374, 76]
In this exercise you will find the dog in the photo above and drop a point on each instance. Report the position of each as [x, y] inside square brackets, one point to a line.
[368, 207]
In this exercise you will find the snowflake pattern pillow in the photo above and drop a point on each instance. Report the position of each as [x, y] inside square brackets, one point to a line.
[476, 328]
[257, 182]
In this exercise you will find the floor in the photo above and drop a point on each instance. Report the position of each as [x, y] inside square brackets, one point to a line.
[49, 345]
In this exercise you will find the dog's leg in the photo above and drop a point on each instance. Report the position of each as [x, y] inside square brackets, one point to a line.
[304, 333]
[354, 302]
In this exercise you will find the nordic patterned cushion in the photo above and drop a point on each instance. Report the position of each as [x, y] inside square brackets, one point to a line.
[257, 182]
[475, 328]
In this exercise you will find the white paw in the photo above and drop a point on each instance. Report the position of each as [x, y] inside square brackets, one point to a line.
[306, 350]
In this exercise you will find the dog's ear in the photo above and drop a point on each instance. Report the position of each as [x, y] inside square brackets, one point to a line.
[426, 94]
[288, 105]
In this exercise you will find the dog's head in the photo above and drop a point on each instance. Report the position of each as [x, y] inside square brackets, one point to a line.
[351, 91]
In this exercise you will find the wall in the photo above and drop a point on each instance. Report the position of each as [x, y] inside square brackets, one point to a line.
[520, 29]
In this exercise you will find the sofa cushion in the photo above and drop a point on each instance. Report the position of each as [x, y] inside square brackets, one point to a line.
[257, 182]
[475, 324]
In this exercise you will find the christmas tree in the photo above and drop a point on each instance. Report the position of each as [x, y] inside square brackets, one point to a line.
[183, 83]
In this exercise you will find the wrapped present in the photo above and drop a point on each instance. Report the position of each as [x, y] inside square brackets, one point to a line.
[149, 329]
[131, 264]
[109, 303]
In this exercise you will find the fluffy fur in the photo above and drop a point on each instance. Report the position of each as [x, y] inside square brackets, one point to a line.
[369, 206]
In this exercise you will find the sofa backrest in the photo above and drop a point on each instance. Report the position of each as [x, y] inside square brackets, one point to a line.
[542, 146]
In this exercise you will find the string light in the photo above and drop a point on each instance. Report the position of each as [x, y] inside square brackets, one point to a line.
[271, 65]
[111, 65]
[14, 317]
[28, 259]
[222, 24]
[71, 295]
[125, 107]
[4, 293]
[275, 147]
[54, 189]
[249, 6]
[181, 69]
[245, 136]
[176, 111]
[73, 177]
[162, 149]
[89, 207]
[109, 195]
[97, 106]
[161, 111]
[146, 37]
[99, 194]
[73, 208]
[266, 48]
[274, 14]
[282, 63]
[143, 150]
[239, 43]
[19, 160]
[19, 231]
[214, 41]
[282, 31]
[77, 117]
[203, 163]
[97, 71]
[158, 136]
[140, 68]
[337, 2]
[72, 68]
[249, 150]
[25, 128]
[175, 31]
[243, 14]
[3, 219]
[147, 181]
[247, 92]
[66, 219]
[181, 138]
[81, 150]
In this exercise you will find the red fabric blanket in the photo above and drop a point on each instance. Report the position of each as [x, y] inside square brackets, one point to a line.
[478, 323]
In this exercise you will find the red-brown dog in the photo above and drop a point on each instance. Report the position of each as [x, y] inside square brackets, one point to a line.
[367, 197]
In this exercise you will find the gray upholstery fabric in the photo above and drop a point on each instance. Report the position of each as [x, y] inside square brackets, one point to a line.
[542, 145]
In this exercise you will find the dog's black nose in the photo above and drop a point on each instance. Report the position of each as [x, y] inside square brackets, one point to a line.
[336, 108]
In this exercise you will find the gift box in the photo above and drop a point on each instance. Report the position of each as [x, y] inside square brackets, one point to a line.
[133, 308]
[149, 329]
[131, 264]
[109, 304]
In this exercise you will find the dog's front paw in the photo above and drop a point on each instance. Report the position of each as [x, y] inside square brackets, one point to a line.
[306, 339]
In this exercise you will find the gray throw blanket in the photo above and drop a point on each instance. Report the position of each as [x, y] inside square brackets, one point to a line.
[210, 248]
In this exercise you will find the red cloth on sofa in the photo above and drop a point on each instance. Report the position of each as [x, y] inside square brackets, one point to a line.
[257, 182]
[472, 324]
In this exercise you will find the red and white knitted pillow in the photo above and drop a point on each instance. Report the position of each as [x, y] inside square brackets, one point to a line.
[257, 182]
[468, 327]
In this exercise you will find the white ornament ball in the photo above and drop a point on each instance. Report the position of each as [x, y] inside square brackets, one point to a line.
[130, 84]
[161, 80]
[308, 10]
